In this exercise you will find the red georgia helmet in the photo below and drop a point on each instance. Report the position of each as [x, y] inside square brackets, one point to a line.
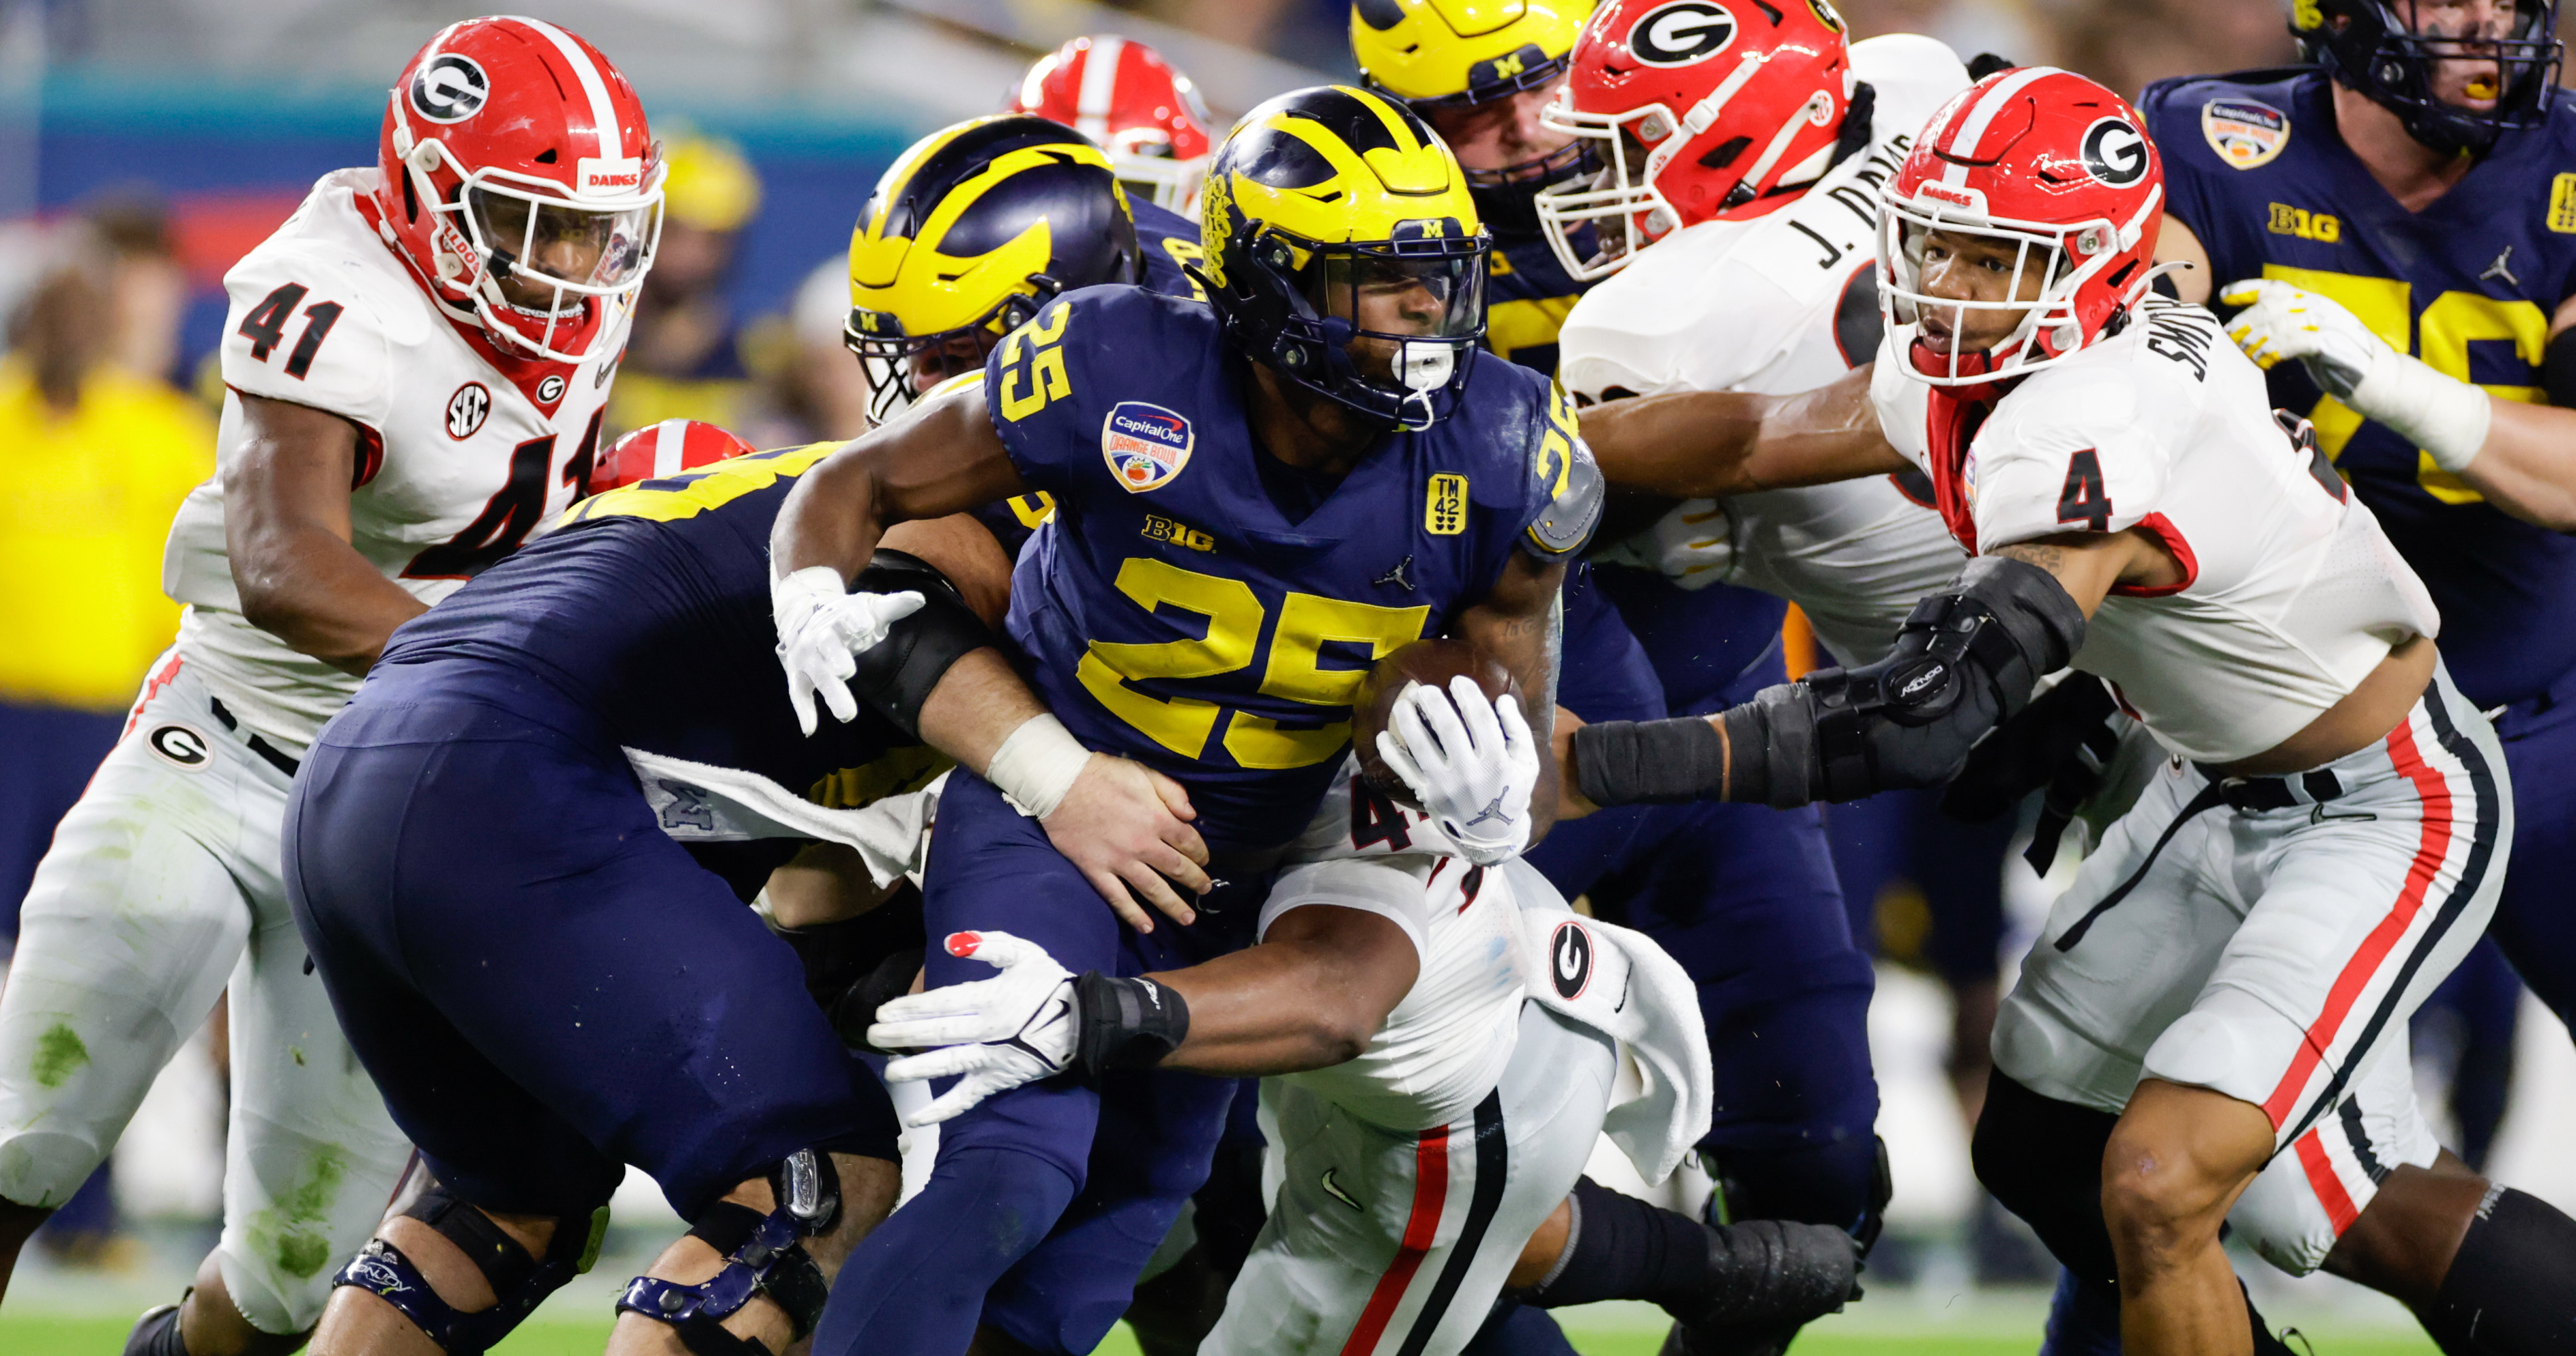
[2052, 164]
[1703, 109]
[512, 146]
[1124, 96]
[661, 450]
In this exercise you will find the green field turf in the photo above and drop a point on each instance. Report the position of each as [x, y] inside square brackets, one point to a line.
[42, 1335]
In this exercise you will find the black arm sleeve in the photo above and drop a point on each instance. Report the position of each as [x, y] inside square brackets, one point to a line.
[1966, 661]
[896, 675]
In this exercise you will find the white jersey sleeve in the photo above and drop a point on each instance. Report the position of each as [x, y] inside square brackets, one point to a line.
[306, 325]
[2089, 453]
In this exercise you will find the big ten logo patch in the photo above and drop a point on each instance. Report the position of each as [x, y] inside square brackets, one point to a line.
[1444, 505]
[2324, 228]
[1159, 528]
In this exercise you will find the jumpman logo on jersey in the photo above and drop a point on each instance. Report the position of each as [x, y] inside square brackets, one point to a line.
[2502, 268]
[1401, 574]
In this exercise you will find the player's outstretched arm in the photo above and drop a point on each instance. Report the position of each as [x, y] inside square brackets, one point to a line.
[1310, 996]
[286, 531]
[1966, 661]
[944, 459]
[2522, 457]
[1710, 444]
[1518, 624]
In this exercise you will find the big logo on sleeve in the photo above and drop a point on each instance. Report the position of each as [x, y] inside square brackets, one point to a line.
[449, 88]
[1682, 33]
[1145, 445]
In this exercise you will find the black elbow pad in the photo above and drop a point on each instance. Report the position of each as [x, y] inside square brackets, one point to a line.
[1966, 661]
[897, 675]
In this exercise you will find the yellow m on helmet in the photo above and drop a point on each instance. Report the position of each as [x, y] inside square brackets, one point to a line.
[971, 230]
[1345, 253]
[1463, 51]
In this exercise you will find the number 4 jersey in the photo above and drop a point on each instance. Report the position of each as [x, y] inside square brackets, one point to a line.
[1199, 606]
[2290, 593]
[463, 451]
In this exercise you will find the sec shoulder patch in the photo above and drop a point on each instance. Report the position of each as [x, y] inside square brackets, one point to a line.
[2246, 133]
[1145, 445]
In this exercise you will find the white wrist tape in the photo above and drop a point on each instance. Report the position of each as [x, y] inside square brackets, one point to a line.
[2445, 416]
[1036, 765]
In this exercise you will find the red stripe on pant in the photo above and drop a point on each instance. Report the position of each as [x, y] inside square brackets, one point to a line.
[2329, 1188]
[2433, 845]
[1421, 1229]
[169, 673]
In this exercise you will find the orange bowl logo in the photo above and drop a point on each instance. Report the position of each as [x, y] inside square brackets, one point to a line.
[1145, 445]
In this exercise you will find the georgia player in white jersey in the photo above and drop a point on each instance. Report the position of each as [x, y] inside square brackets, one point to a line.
[416, 363]
[2231, 974]
[1428, 1158]
[1739, 209]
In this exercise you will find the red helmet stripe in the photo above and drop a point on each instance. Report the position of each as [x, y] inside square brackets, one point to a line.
[603, 111]
[1099, 87]
[1972, 129]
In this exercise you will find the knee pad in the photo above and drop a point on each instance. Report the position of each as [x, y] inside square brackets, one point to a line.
[764, 1255]
[2042, 1160]
[1845, 1185]
[519, 1282]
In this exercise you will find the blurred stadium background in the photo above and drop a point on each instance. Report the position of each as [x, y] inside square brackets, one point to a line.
[146, 144]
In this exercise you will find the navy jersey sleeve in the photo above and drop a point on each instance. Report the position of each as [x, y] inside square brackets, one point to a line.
[1045, 379]
[1562, 493]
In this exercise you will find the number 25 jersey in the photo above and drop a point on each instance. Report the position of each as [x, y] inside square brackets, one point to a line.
[1177, 614]
[2258, 171]
[464, 451]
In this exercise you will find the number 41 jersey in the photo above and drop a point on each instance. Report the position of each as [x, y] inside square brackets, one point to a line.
[1209, 611]
[463, 451]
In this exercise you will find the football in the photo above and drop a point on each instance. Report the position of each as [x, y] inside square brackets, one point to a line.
[1423, 661]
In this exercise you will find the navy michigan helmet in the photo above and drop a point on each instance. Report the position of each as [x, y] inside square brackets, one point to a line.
[1344, 252]
[972, 229]
[2376, 47]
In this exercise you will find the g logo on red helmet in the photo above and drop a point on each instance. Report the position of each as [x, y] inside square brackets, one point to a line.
[449, 87]
[2115, 152]
[1682, 33]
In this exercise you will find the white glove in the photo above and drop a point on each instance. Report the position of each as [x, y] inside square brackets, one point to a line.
[1471, 764]
[2445, 416]
[999, 1033]
[821, 626]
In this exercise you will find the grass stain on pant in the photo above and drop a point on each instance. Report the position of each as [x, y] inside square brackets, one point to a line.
[59, 1055]
[296, 1230]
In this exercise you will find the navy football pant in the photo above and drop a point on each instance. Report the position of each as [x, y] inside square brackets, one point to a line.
[545, 987]
[1047, 1200]
[2533, 922]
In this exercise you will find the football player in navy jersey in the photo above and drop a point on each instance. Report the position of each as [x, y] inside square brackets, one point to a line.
[1255, 499]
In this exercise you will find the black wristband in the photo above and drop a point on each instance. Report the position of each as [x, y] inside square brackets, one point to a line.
[1125, 1023]
[1626, 762]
